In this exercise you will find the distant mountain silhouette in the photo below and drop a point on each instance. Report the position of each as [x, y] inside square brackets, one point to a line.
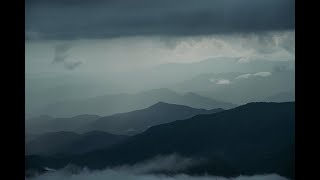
[255, 138]
[281, 97]
[185, 71]
[119, 103]
[49, 88]
[137, 121]
[43, 124]
[243, 88]
[64, 142]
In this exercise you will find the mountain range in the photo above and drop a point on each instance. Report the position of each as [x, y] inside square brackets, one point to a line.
[241, 88]
[119, 103]
[178, 72]
[128, 123]
[255, 138]
[137, 121]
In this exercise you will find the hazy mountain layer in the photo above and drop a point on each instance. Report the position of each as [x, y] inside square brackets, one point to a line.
[281, 97]
[111, 104]
[241, 88]
[64, 142]
[137, 121]
[43, 124]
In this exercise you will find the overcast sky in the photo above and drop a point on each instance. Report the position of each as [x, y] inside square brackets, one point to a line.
[105, 41]
[131, 53]
[70, 19]
[114, 33]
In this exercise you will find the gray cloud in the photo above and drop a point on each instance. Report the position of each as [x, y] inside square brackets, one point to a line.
[244, 76]
[69, 19]
[280, 68]
[61, 53]
[171, 163]
[270, 42]
[261, 74]
[287, 41]
[61, 56]
[143, 171]
[223, 81]
[72, 65]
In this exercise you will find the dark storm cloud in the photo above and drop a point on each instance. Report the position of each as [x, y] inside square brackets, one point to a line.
[68, 19]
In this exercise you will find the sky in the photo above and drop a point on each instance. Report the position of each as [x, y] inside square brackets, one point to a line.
[108, 46]
[74, 19]
[128, 53]
[116, 35]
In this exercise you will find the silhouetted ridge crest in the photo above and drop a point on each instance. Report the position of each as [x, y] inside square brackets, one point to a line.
[163, 105]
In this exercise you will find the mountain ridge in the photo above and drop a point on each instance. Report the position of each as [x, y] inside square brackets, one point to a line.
[253, 138]
[137, 121]
[112, 104]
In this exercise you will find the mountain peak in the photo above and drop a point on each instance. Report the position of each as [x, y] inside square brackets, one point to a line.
[192, 94]
[86, 116]
[160, 104]
[160, 91]
[165, 106]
